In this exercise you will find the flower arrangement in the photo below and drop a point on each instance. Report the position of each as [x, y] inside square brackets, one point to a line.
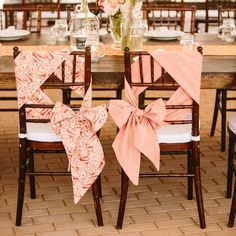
[120, 13]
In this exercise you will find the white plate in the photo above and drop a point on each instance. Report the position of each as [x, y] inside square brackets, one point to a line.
[10, 35]
[164, 34]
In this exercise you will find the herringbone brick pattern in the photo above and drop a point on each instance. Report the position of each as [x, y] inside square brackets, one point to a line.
[155, 207]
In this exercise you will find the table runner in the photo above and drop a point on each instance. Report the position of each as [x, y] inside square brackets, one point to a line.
[76, 129]
[208, 50]
[137, 128]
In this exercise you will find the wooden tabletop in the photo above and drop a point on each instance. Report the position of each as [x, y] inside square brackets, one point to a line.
[218, 71]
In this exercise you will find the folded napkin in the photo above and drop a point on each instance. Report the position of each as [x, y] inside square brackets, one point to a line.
[138, 128]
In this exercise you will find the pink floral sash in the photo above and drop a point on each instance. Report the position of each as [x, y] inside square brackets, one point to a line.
[138, 128]
[76, 129]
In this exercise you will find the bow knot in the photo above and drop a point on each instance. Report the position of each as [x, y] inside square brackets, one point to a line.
[137, 133]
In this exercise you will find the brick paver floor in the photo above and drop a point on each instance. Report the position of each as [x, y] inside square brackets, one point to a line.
[154, 207]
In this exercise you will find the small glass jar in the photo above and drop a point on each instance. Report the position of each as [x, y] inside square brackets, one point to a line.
[84, 27]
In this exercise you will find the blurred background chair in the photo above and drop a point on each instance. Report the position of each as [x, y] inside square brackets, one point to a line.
[171, 17]
[222, 95]
[209, 16]
[231, 171]
[22, 18]
[37, 136]
[50, 8]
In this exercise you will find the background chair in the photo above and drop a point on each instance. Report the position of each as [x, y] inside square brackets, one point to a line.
[221, 94]
[231, 168]
[178, 18]
[30, 141]
[22, 18]
[190, 147]
[209, 16]
[49, 7]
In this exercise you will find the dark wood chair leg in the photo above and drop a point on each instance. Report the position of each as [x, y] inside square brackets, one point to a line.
[100, 186]
[96, 198]
[233, 209]
[21, 181]
[31, 177]
[223, 119]
[123, 198]
[230, 167]
[119, 93]
[190, 171]
[198, 185]
[216, 110]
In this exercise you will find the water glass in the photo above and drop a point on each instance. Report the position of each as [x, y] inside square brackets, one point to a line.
[60, 30]
[97, 50]
[227, 30]
[137, 32]
[187, 42]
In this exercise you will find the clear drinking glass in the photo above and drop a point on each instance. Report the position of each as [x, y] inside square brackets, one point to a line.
[187, 42]
[136, 36]
[97, 50]
[60, 29]
[227, 30]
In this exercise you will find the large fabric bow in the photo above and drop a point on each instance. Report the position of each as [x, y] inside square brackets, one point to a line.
[138, 128]
[78, 133]
[137, 132]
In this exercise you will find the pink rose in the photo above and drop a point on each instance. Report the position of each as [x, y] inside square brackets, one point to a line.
[101, 3]
[113, 4]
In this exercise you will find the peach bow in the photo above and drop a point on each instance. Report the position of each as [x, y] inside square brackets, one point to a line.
[137, 132]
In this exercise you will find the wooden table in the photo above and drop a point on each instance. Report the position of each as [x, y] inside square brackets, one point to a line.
[218, 71]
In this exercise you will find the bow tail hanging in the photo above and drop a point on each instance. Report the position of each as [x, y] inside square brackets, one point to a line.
[82, 146]
[146, 136]
[127, 154]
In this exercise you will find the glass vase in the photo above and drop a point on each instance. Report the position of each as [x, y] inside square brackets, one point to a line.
[115, 28]
[132, 26]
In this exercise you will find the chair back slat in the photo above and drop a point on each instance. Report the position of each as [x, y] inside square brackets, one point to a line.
[74, 68]
[140, 58]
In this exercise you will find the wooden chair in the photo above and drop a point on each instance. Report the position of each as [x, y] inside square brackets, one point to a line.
[210, 18]
[221, 94]
[47, 6]
[171, 17]
[50, 143]
[22, 18]
[190, 147]
[231, 170]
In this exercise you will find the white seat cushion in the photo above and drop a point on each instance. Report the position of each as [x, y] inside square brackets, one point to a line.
[232, 123]
[41, 132]
[175, 133]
